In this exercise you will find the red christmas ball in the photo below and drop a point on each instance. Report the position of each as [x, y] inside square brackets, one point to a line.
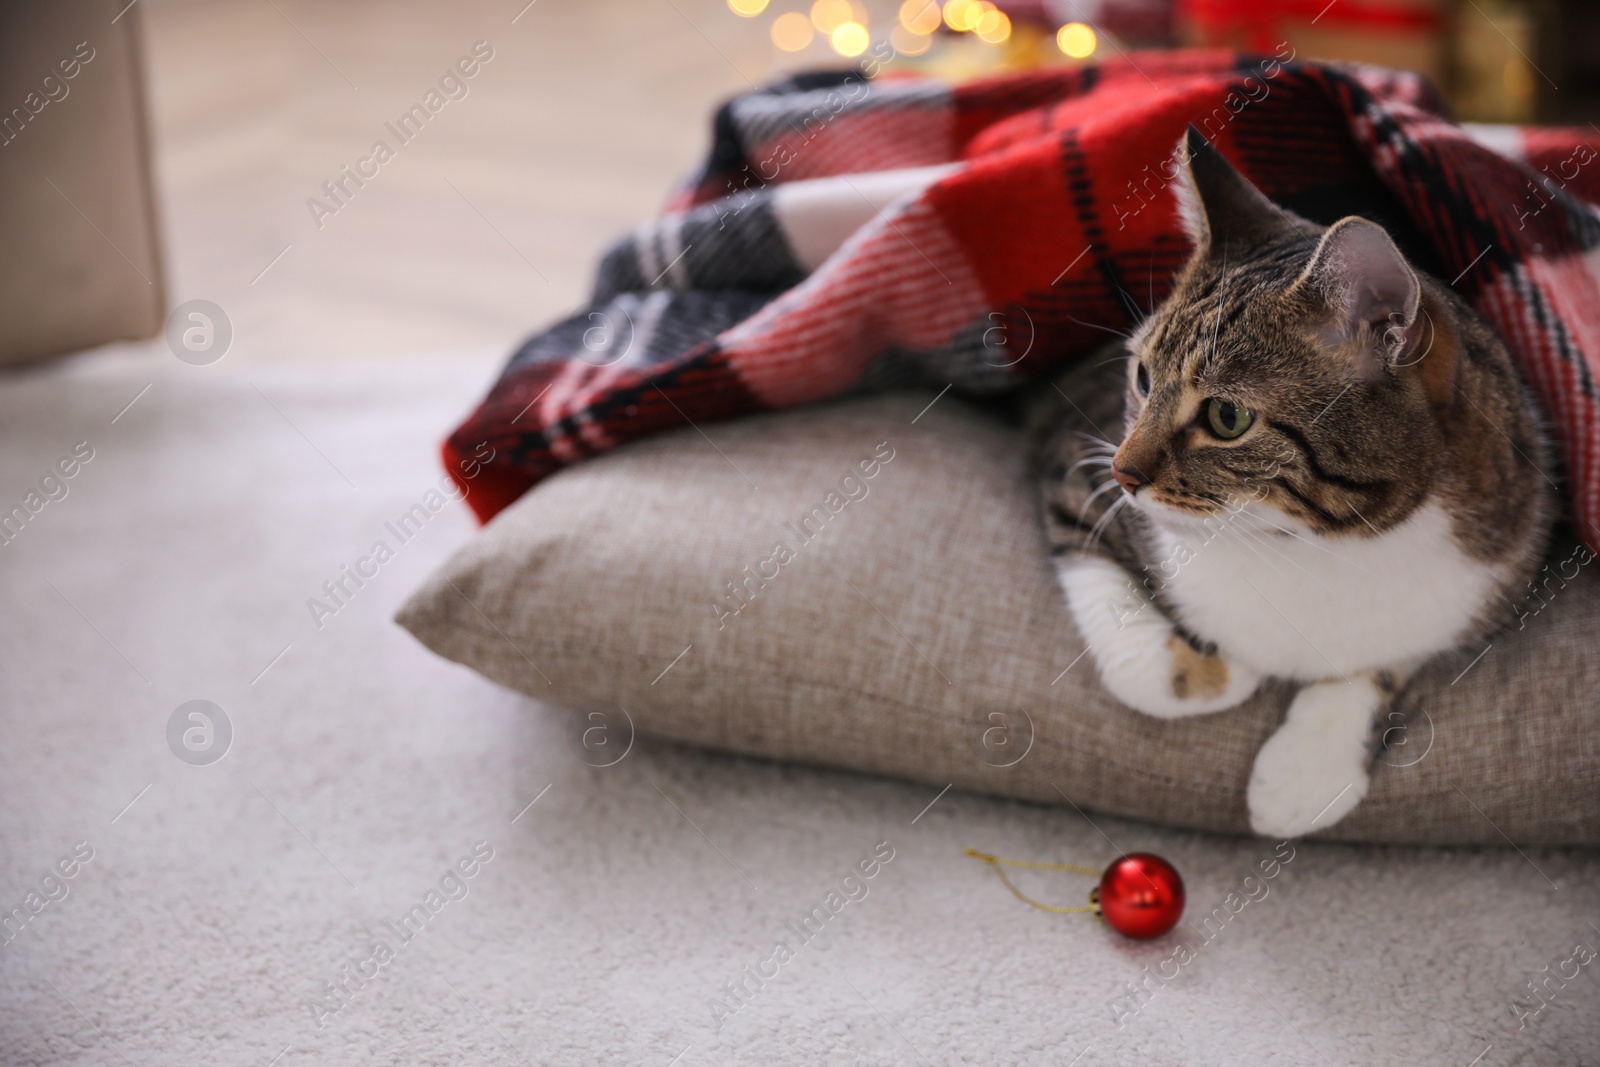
[1141, 895]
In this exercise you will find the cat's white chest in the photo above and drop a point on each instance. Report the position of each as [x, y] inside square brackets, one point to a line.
[1306, 607]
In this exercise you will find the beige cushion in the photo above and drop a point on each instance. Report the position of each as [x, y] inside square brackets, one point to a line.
[921, 631]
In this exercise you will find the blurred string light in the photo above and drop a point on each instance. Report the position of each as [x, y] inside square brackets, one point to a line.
[1077, 39]
[843, 24]
[909, 43]
[993, 26]
[792, 32]
[850, 38]
[978, 17]
[920, 17]
[829, 15]
[962, 15]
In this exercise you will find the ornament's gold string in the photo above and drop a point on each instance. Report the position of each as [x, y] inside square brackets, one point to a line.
[999, 865]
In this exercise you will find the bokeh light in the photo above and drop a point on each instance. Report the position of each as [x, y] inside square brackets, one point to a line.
[829, 15]
[850, 39]
[909, 42]
[748, 8]
[959, 15]
[993, 27]
[792, 32]
[1517, 80]
[920, 16]
[1077, 40]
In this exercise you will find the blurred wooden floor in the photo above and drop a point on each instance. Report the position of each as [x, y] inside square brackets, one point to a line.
[484, 227]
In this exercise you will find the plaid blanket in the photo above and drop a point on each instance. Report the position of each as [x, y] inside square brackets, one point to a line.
[848, 234]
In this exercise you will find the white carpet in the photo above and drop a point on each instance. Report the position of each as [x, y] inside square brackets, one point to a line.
[614, 910]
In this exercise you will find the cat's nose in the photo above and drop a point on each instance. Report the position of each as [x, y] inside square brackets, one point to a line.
[1127, 479]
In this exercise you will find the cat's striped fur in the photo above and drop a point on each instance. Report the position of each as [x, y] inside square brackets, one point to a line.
[1387, 499]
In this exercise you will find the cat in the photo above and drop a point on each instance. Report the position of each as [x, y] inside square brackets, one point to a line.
[1312, 462]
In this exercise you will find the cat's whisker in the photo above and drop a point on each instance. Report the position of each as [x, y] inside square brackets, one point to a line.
[1100, 461]
[1244, 536]
[1262, 539]
[1104, 525]
[1222, 294]
[1094, 495]
[1134, 310]
[1104, 521]
[1107, 329]
[1096, 442]
[1313, 542]
[1150, 264]
[1239, 539]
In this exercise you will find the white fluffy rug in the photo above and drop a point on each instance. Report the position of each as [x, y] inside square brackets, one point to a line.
[604, 923]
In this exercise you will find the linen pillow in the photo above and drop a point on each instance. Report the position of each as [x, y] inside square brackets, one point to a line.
[865, 585]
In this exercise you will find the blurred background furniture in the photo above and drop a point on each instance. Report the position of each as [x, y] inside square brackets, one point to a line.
[80, 260]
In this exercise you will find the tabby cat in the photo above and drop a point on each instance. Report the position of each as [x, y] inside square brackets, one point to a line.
[1312, 462]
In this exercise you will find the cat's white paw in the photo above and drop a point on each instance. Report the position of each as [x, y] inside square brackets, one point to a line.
[1313, 771]
[1141, 658]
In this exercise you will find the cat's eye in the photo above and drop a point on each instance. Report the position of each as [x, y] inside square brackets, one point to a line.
[1141, 380]
[1227, 420]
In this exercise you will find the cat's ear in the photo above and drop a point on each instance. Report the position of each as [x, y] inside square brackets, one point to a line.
[1371, 291]
[1218, 204]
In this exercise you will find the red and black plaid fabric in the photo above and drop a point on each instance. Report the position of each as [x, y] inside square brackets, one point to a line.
[1036, 214]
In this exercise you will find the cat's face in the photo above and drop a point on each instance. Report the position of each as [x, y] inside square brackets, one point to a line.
[1279, 375]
